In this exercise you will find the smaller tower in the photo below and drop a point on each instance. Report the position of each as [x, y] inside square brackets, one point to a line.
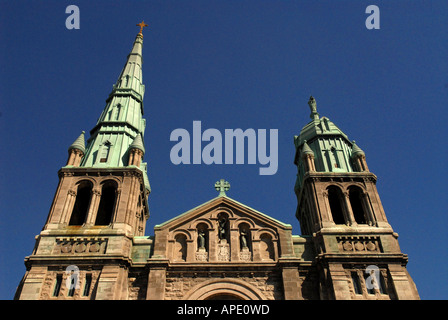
[359, 158]
[308, 157]
[76, 151]
[340, 209]
[136, 151]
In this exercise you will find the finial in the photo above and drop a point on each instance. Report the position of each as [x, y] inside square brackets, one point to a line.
[313, 107]
[141, 25]
[222, 186]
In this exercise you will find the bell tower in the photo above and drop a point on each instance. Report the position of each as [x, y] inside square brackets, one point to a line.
[100, 203]
[357, 251]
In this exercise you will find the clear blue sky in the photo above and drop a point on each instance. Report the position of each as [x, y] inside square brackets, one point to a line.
[231, 64]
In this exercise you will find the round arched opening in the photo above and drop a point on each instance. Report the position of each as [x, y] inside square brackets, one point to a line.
[224, 289]
[223, 296]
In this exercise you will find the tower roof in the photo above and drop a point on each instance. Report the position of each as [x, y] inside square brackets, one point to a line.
[79, 143]
[356, 151]
[330, 146]
[318, 127]
[130, 80]
[121, 124]
[306, 149]
[138, 143]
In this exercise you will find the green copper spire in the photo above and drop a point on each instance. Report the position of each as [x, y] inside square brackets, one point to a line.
[121, 124]
[79, 143]
[130, 80]
[122, 118]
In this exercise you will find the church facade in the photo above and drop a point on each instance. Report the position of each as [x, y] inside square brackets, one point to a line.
[93, 244]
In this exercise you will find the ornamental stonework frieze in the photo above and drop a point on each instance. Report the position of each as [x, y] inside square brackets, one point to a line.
[74, 246]
[357, 244]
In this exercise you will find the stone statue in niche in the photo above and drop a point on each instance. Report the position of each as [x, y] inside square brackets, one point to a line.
[201, 254]
[243, 236]
[222, 228]
[201, 238]
[245, 254]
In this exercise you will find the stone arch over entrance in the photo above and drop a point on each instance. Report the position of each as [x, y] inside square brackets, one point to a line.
[228, 289]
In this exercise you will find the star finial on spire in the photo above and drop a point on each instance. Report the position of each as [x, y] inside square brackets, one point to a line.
[141, 25]
[222, 186]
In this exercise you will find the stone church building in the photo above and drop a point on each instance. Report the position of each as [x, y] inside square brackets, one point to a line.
[93, 244]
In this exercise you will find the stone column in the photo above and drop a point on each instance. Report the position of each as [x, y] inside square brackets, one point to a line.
[93, 207]
[350, 218]
[68, 207]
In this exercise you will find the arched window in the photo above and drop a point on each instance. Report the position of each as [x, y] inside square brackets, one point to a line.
[355, 196]
[335, 199]
[107, 204]
[82, 202]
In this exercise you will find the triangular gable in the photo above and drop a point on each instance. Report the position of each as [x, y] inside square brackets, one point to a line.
[217, 202]
[222, 230]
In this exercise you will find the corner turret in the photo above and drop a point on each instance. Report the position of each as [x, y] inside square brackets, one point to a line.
[76, 151]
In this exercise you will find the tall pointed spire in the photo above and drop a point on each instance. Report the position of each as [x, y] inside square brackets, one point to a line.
[122, 118]
[121, 121]
[130, 80]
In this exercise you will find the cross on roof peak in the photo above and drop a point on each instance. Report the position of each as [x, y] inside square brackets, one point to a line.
[222, 186]
[141, 25]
